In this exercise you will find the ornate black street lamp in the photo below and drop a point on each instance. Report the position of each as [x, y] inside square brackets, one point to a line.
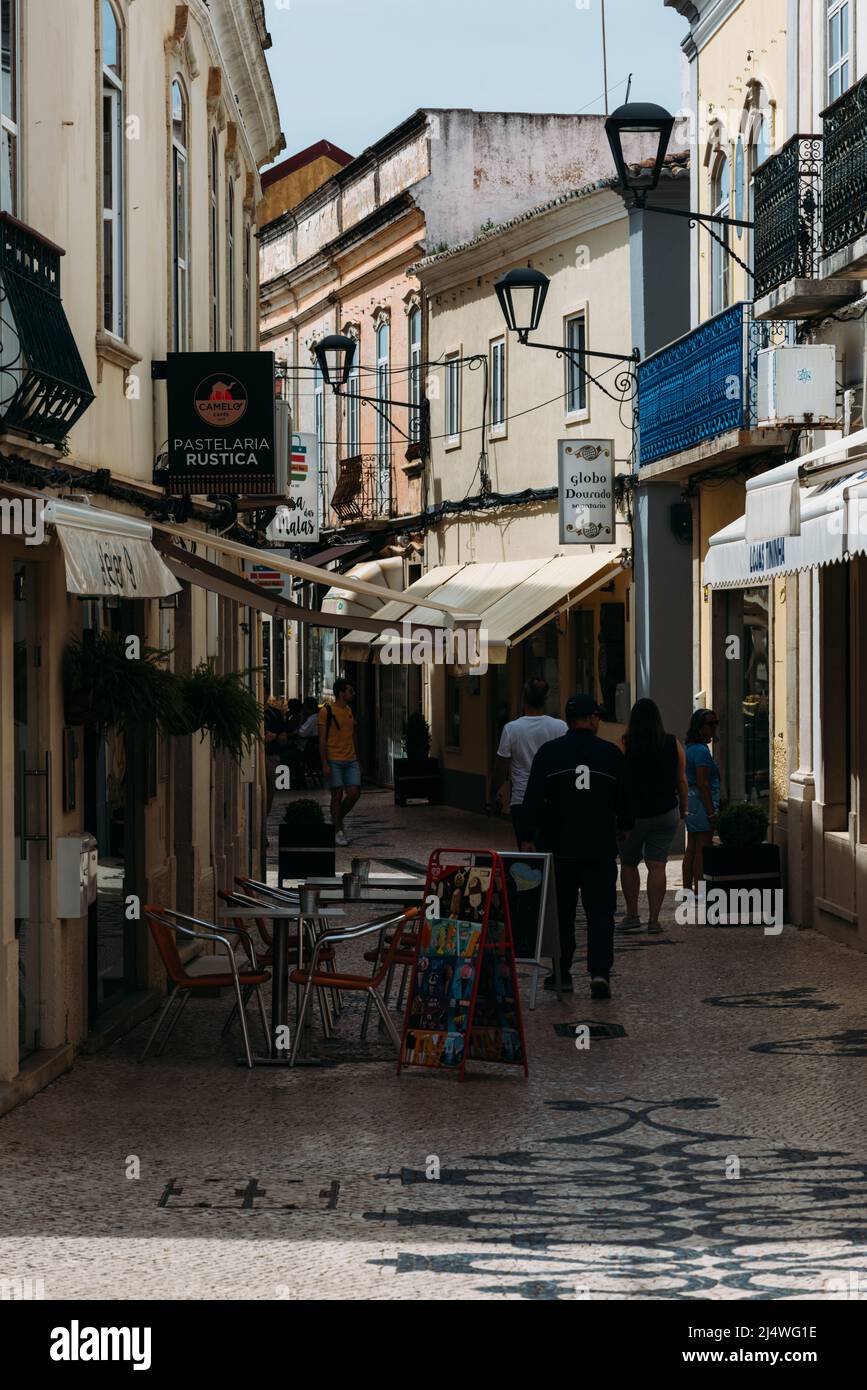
[335, 355]
[627, 129]
[522, 295]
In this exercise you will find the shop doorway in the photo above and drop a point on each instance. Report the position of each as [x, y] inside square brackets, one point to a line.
[745, 753]
[541, 661]
[113, 781]
[32, 800]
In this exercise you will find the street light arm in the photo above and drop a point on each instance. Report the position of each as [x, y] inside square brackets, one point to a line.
[576, 354]
[644, 206]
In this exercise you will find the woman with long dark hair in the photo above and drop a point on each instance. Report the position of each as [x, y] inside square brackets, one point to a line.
[703, 781]
[655, 764]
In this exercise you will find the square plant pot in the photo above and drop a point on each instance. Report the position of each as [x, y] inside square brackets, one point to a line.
[745, 870]
[417, 779]
[307, 854]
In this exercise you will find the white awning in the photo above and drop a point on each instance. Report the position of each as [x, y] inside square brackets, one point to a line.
[108, 555]
[774, 498]
[512, 597]
[387, 573]
[831, 525]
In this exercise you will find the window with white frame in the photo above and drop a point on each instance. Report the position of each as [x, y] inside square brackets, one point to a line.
[719, 254]
[414, 327]
[9, 108]
[353, 413]
[215, 242]
[112, 171]
[498, 386]
[453, 399]
[575, 339]
[180, 221]
[383, 429]
[230, 265]
[838, 48]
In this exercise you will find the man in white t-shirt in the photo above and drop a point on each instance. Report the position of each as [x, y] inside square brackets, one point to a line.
[521, 740]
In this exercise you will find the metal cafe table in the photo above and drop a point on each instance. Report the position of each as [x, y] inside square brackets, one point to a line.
[378, 890]
[280, 915]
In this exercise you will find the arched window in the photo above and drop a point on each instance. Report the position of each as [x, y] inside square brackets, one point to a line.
[215, 243]
[758, 139]
[383, 432]
[230, 264]
[353, 409]
[9, 108]
[112, 172]
[414, 327]
[719, 257]
[180, 221]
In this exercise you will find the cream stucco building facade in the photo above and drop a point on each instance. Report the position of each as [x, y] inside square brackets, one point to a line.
[141, 163]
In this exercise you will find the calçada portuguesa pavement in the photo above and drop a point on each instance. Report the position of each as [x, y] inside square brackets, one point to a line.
[715, 1147]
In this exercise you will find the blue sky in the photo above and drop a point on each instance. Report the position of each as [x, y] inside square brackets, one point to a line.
[350, 70]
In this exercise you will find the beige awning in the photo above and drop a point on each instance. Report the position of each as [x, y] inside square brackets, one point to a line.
[512, 597]
[107, 555]
[299, 570]
[194, 569]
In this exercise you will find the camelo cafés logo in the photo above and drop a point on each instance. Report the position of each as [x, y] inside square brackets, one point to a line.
[220, 400]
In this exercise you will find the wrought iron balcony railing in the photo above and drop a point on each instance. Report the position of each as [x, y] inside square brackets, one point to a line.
[844, 195]
[44, 388]
[788, 202]
[363, 491]
[704, 384]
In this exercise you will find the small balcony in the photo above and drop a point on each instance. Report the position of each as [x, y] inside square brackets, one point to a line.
[363, 493]
[697, 397]
[788, 236]
[44, 388]
[844, 216]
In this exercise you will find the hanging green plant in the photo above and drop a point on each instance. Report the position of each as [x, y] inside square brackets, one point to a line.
[222, 706]
[104, 685]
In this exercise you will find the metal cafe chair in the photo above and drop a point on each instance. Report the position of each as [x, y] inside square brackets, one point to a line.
[246, 901]
[315, 977]
[219, 971]
[310, 924]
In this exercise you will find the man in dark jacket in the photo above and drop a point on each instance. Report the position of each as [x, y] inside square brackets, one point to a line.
[576, 807]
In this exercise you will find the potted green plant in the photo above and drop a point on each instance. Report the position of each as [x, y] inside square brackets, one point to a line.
[417, 775]
[104, 684]
[305, 842]
[743, 860]
[222, 706]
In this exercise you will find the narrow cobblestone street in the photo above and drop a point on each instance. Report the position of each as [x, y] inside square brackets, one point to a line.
[713, 1148]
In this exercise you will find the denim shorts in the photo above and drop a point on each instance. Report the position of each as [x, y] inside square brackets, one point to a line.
[650, 839]
[697, 819]
[344, 773]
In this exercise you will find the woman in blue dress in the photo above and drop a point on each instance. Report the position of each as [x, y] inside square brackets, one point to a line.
[703, 782]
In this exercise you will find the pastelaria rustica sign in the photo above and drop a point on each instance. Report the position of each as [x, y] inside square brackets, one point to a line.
[221, 424]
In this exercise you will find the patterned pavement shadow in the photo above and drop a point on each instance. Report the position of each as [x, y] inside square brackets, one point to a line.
[636, 1203]
[774, 999]
[851, 1043]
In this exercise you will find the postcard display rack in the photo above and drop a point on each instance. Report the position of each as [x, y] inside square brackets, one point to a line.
[463, 1000]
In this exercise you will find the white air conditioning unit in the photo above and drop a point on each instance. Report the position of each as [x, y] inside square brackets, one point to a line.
[797, 385]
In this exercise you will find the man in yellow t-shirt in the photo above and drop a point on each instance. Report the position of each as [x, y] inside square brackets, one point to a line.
[338, 749]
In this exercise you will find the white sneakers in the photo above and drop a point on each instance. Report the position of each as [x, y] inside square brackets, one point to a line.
[341, 839]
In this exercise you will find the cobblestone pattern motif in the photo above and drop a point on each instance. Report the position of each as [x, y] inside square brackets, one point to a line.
[718, 1149]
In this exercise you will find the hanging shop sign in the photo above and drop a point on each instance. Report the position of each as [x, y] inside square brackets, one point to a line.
[298, 520]
[586, 491]
[221, 424]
